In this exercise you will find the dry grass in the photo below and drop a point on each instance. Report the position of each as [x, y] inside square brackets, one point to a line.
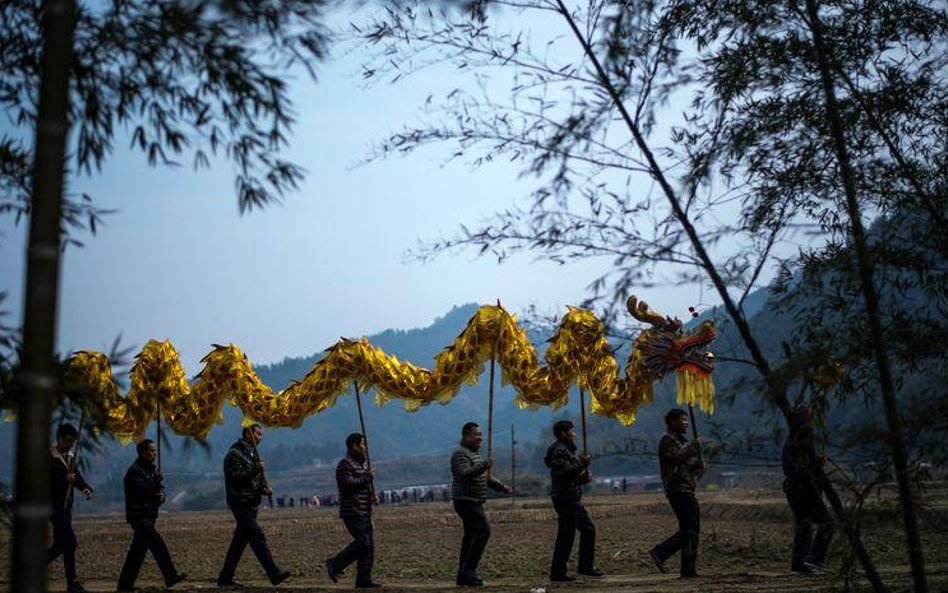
[745, 543]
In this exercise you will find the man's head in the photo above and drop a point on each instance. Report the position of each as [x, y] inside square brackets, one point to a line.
[676, 420]
[565, 432]
[471, 435]
[355, 445]
[66, 436]
[147, 451]
[253, 434]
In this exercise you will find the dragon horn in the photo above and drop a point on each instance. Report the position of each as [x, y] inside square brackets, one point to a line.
[640, 310]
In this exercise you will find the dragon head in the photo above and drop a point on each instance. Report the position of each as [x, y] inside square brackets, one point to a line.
[665, 347]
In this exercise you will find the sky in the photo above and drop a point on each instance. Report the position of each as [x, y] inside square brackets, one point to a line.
[177, 261]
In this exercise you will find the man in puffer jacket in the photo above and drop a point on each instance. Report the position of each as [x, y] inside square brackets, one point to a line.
[568, 474]
[144, 493]
[244, 483]
[469, 472]
[356, 495]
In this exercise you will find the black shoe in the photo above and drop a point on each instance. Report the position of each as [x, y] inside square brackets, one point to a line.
[230, 584]
[689, 575]
[589, 572]
[802, 571]
[469, 580]
[659, 563]
[562, 578]
[175, 579]
[817, 567]
[368, 585]
[121, 589]
[331, 571]
[279, 577]
[75, 587]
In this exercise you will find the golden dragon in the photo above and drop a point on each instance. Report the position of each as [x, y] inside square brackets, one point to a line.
[577, 353]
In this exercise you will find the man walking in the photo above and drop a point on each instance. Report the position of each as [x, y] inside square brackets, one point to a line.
[144, 493]
[568, 474]
[245, 484]
[469, 472]
[801, 466]
[680, 461]
[63, 477]
[356, 495]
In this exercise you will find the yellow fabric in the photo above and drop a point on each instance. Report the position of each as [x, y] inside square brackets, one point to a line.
[577, 353]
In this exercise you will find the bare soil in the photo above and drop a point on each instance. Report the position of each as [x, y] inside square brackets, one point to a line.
[745, 547]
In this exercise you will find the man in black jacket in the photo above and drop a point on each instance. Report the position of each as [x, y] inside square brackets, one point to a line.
[245, 484]
[801, 466]
[568, 474]
[680, 462]
[356, 495]
[471, 479]
[144, 493]
[63, 477]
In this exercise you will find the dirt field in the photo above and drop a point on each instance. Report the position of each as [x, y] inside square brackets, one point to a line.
[745, 543]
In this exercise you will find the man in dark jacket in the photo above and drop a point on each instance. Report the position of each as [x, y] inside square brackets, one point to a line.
[63, 478]
[801, 466]
[356, 495]
[568, 474]
[680, 461]
[144, 493]
[471, 480]
[245, 484]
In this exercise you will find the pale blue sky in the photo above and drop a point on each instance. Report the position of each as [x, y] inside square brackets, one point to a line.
[177, 261]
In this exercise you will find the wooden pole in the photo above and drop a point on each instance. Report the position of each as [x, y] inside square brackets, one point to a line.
[158, 433]
[75, 457]
[365, 437]
[582, 418]
[263, 474]
[513, 466]
[694, 429]
[490, 408]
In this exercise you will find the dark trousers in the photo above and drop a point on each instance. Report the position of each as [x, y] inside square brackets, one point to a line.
[361, 550]
[570, 518]
[686, 509]
[246, 532]
[145, 538]
[476, 534]
[64, 542]
[808, 508]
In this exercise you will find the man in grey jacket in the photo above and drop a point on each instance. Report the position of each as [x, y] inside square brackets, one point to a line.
[471, 476]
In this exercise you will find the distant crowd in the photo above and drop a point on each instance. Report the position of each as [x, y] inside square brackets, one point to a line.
[414, 494]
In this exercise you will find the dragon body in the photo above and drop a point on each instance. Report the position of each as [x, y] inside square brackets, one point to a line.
[577, 353]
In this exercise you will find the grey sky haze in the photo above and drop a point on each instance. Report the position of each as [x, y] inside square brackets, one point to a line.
[177, 261]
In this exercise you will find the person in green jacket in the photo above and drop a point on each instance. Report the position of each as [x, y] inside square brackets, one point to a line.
[471, 478]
